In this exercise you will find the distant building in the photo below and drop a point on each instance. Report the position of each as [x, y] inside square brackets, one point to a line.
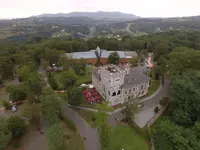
[91, 57]
[118, 84]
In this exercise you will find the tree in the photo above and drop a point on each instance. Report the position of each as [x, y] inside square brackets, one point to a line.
[55, 137]
[5, 134]
[23, 72]
[186, 98]
[16, 93]
[129, 111]
[52, 82]
[44, 63]
[51, 109]
[69, 78]
[16, 126]
[134, 61]
[161, 49]
[75, 96]
[114, 58]
[98, 53]
[104, 135]
[32, 112]
[52, 56]
[34, 87]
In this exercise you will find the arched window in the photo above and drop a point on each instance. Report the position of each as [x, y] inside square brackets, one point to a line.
[114, 94]
[118, 93]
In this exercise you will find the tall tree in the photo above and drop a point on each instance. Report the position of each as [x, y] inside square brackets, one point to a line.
[129, 111]
[32, 112]
[114, 58]
[51, 109]
[5, 134]
[16, 126]
[34, 87]
[69, 78]
[75, 96]
[55, 138]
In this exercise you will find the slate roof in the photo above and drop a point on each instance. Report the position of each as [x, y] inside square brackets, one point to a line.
[136, 76]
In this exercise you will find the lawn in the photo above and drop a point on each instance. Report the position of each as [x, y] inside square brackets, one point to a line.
[89, 115]
[155, 84]
[99, 106]
[124, 137]
[74, 140]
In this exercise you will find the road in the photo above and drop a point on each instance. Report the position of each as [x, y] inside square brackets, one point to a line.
[146, 113]
[91, 134]
[128, 29]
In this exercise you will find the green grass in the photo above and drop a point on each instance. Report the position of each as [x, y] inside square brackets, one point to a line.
[155, 84]
[100, 106]
[88, 115]
[124, 137]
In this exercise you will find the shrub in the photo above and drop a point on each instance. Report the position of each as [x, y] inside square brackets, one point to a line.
[6, 104]
[16, 126]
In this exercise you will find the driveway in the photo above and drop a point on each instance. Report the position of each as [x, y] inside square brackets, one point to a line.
[91, 134]
[145, 113]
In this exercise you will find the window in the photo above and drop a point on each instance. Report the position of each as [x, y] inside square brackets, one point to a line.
[129, 97]
[118, 93]
[126, 92]
[109, 81]
[142, 86]
[133, 89]
[129, 91]
[142, 92]
[117, 80]
[108, 92]
[114, 94]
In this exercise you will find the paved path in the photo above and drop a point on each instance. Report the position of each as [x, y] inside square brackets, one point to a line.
[91, 134]
[146, 113]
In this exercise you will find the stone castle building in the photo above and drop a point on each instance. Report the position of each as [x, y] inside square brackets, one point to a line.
[118, 84]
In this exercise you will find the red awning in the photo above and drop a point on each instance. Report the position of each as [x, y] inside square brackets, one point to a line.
[92, 90]
[90, 99]
[97, 97]
[95, 94]
[88, 95]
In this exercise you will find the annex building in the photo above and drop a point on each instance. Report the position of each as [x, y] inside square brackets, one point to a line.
[91, 57]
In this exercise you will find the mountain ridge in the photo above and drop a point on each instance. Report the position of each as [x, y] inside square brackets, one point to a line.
[93, 15]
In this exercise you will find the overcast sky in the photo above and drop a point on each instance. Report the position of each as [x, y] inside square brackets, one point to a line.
[143, 8]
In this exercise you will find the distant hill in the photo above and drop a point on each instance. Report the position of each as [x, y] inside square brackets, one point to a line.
[94, 15]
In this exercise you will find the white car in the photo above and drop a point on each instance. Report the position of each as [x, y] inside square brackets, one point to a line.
[14, 108]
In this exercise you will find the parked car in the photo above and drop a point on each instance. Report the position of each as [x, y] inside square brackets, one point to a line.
[14, 108]
[140, 105]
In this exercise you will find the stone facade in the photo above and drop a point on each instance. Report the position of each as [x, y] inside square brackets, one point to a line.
[117, 84]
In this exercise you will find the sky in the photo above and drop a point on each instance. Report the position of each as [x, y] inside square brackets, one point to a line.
[142, 8]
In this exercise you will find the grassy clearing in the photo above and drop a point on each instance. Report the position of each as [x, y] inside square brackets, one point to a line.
[74, 140]
[99, 106]
[124, 137]
[89, 116]
[155, 84]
